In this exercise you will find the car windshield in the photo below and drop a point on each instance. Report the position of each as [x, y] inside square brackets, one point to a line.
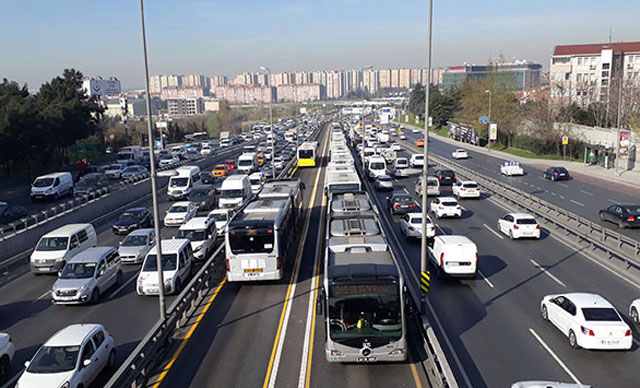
[218, 217]
[231, 193]
[418, 157]
[166, 157]
[600, 314]
[446, 173]
[87, 181]
[384, 178]
[178, 209]
[52, 243]
[54, 359]
[418, 220]
[254, 239]
[114, 167]
[192, 234]
[134, 241]
[199, 194]
[245, 162]
[220, 168]
[178, 182]
[78, 271]
[365, 311]
[169, 263]
[526, 221]
[255, 182]
[43, 182]
[130, 169]
[131, 216]
[432, 182]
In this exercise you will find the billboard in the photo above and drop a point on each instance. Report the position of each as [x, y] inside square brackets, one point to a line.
[493, 131]
[624, 142]
[100, 87]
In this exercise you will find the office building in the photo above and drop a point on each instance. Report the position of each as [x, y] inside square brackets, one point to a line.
[519, 75]
[185, 107]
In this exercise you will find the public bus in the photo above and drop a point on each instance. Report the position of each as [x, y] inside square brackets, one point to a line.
[261, 239]
[362, 297]
[307, 154]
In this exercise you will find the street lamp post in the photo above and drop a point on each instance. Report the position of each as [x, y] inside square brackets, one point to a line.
[154, 195]
[273, 148]
[618, 124]
[489, 118]
[363, 125]
[425, 167]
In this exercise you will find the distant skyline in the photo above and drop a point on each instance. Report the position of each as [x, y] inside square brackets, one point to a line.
[40, 38]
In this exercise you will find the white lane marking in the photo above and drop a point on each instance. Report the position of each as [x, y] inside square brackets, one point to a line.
[544, 270]
[555, 357]
[485, 279]
[42, 296]
[578, 203]
[586, 192]
[116, 292]
[538, 187]
[562, 196]
[552, 193]
[493, 231]
[563, 185]
[440, 229]
[612, 201]
[543, 178]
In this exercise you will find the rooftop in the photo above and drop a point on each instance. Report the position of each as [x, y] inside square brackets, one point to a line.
[596, 48]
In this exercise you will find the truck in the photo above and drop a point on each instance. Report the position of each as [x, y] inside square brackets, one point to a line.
[129, 155]
[225, 139]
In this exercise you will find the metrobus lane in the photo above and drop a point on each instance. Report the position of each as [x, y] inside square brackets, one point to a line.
[491, 320]
[235, 341]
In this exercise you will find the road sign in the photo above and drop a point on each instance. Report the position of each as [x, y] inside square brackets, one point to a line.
[430, 121]
[493, 131]
[484, 119]
[425, 281]
[565, 140]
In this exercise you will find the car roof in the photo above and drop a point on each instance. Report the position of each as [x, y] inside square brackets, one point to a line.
[91, 255]
[171, 245]
[465, 182]
[197, 223]
[72, 335]
[453, 239]
[583, 299]
[521, 215]
[447, 199]
[54, 175]
[66, 230]
[140, 232]
[182, 203]
[136, 210]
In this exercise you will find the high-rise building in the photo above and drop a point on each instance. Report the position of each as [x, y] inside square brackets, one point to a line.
[319, 77]
[300, 93]
[185, 106]
[245, 94]
[395, 78]
[385, 78]
[181, 92]
[155, 87]
[404, 78]
[334, 84]
[586, 73]
[218, 80]
[370, 81]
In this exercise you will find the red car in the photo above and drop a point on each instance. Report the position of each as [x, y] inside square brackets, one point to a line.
[231, 164]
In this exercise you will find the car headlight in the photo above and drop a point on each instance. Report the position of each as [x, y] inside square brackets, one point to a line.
[83, 289]
[198, 248]
[48, 191]
[134, 226]
[65, 385]
[168, 282]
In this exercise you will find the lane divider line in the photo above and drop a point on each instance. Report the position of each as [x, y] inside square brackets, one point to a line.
[577, 203]
[485, 278]
[189, 334]
[555, 357]
[493, 231]
[546, 272]
[586, 192]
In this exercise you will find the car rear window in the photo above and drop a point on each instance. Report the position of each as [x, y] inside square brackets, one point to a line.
[418, 220]
[635, 210]
[526, 221]
[446, 173]
[470, 186]
[600, 314]
[450, 203]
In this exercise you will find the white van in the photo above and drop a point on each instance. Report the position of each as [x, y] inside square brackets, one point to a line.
[455, 256]
[247, 162]
[177, 265]
[58, 246]
[376, 166]
[201, 231]
[51, 186]
[433, 187]
[180, 185]
[235, 191]
[257, 181]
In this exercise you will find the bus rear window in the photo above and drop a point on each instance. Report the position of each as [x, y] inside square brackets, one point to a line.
[257, 239]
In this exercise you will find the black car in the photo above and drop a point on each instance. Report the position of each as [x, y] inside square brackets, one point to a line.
[206, 178]
[132, 219]
[401, 203]
[623, 215]
[10, 213]
[557, 173]
[91, 182]
[204, 197]
[446, 176]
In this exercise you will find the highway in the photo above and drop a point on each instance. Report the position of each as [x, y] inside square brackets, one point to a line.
[493, 323]
[266, 334]
[26, 311]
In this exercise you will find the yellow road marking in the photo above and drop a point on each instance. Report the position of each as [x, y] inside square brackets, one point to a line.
[293, 272]
[186, 339]
[414, 370]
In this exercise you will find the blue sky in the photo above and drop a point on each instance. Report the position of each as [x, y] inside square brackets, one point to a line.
[39, 38]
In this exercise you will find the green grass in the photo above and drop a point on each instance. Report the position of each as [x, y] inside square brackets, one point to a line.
[526, 153]
[442, 131]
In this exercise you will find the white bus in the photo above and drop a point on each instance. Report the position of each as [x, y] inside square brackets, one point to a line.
[261, 240]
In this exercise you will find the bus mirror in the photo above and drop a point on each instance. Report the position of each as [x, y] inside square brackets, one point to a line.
[319, 305]
[303, 186]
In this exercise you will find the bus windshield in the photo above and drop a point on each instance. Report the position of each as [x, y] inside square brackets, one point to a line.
[253, 239]
[371, 311]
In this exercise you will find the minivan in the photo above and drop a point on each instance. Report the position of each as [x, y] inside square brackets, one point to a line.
[454, 256]
[235, 192]
[51, 186]
[247, 163]
[177, 265]
[180, 186]
[201, 231]
[57, 247]
[87, 275]
[433, 187]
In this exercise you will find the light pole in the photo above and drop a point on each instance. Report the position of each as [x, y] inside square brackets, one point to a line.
[618, 124]
[489, 118]
[425, 167]
[273, 148]
[363, 125]
[154, 196]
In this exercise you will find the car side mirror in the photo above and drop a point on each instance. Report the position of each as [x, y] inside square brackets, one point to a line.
[86, 362]
[59, 273]
[120, 243]
[27, 363]
[101, 272]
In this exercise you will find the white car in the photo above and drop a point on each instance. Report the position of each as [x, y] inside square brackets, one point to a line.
[511, 168]
[416, 130]
[589, 320]
[205, 151]
[519, 225]
[179, 213]
[221, 217]
[7, 350]
[72, 357]
[445, 206]
[401, 163]
[634, 311]
[402, 136]
[411, 226]
[136, 245]
[168, 160]
[460, 154]
[546, 384]
[396, 147]
[114, 171]
[383, 182]
[416, 160]
[466, 189]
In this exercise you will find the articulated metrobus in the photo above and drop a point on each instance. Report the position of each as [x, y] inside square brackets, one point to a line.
[261, 239]
[363, 290]
[307, 154]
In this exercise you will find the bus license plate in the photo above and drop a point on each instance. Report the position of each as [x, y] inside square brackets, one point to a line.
[252, 270]
[367, 359]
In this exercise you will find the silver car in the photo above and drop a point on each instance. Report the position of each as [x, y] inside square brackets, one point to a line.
[87, 275]
[136, 245]
[384, 182]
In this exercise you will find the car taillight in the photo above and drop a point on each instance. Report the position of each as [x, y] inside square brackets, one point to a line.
[442, 259]
[227, 264]
[627, 333]
[440, 208]
[396, 205]
[412, 205]
[537, 226]
[411, 228]
[459, 207]
[516, 227]
[10, 339]
[462, 189]
[477, 259]
[555, 173]
[278, 263]
[630, 218]
[587, 331]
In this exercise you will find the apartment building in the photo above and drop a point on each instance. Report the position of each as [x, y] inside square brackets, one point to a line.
[182, 92]
[334, 84]
[245, 94]
[586, 73]
[370, 81]
[300, 93]
[385, 78]
[185, 106]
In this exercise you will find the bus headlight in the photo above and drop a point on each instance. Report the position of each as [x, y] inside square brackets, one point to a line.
[337, 353]
[397, 352]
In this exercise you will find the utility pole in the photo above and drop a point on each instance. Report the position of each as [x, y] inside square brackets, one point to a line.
[154, 194]
[425, 168]
[618, 124]
[363, 116]
[273, 140]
